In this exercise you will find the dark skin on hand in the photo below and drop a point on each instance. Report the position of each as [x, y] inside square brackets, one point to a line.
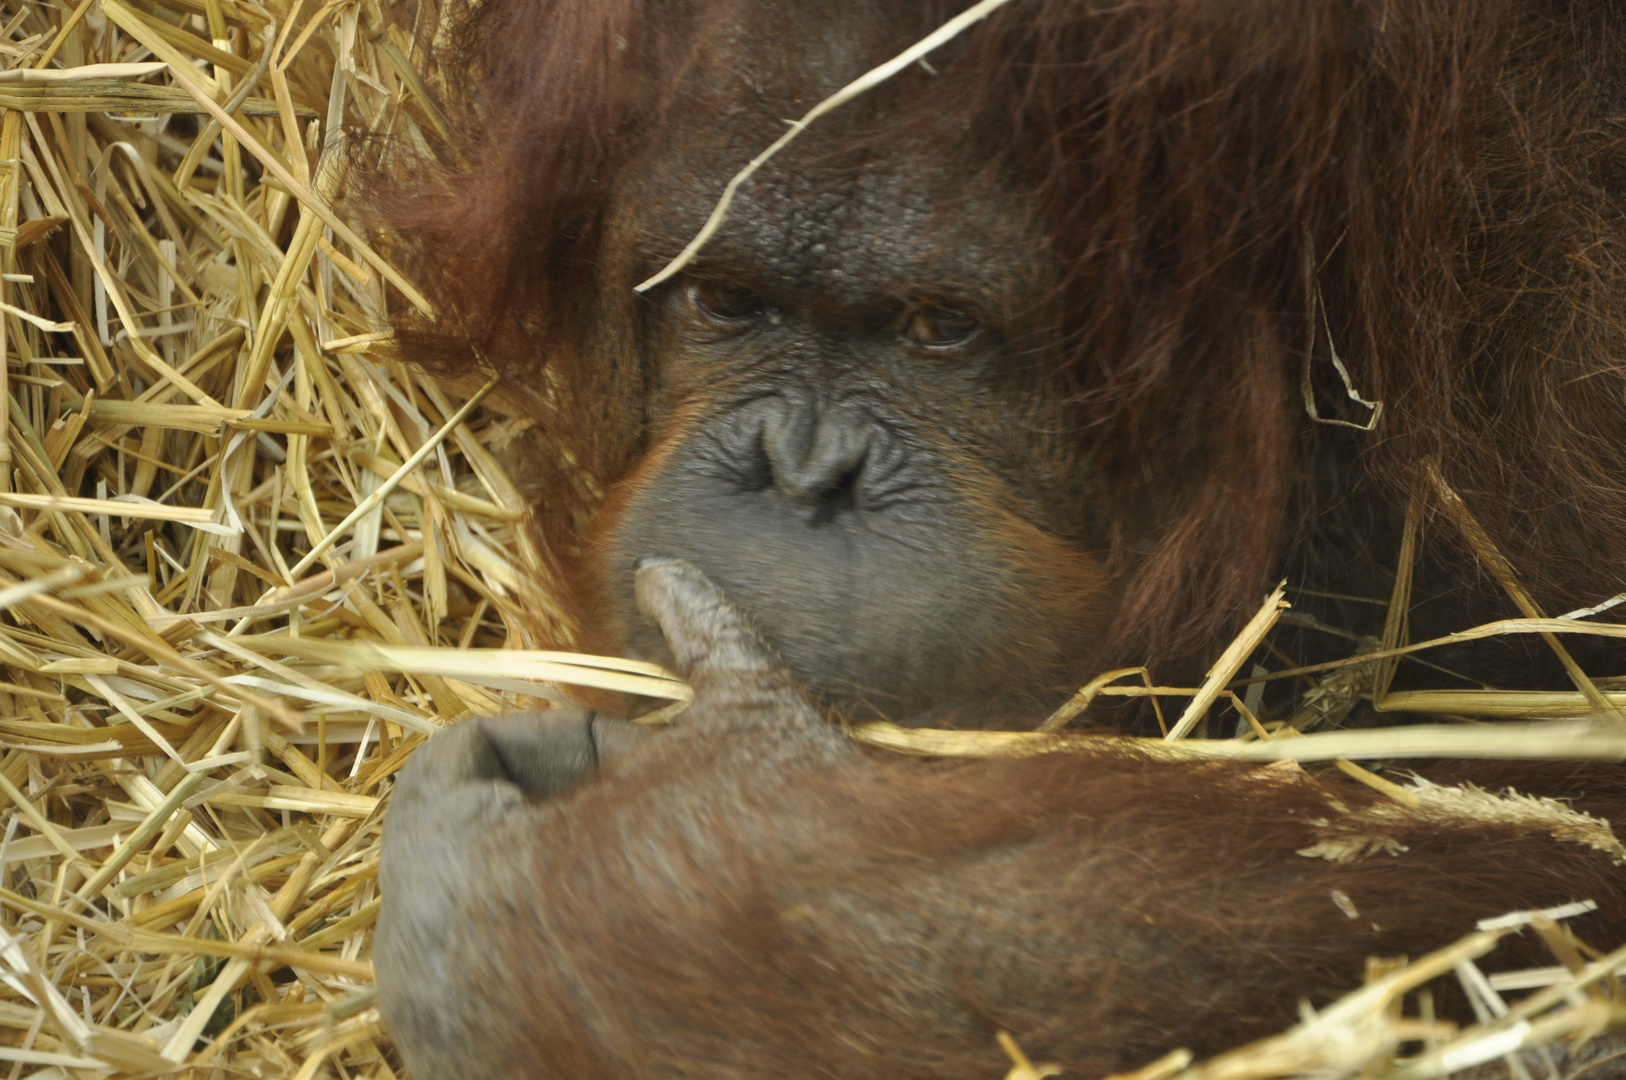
[1016, 369]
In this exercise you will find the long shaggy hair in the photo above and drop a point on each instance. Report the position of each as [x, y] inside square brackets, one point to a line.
[1241, 197]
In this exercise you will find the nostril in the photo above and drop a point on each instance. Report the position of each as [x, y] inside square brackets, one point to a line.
[837, 499]
[821, 478]
[754, 469]
[820, 458]
[786, 441]
[742, 445]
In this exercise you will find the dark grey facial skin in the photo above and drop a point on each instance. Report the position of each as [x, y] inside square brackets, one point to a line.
[837, 536]
[851, 429]
[855, 473]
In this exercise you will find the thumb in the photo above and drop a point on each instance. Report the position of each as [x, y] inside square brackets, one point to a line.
[732, 669]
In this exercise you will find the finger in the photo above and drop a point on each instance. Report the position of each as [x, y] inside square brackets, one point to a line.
[708, 636]
[457, 757]
[537, 755]
[453, 788]
[734, 672]
[467, 780]
[543, 753]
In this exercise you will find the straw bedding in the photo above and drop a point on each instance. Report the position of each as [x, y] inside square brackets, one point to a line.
[248, 562]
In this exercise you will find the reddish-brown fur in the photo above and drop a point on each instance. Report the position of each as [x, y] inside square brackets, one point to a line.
[1431, 187]
[1226, 194]
[751, 894]
[1105, 910]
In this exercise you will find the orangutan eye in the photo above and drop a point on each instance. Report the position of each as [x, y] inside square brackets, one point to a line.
[939, 328]
[726, 301]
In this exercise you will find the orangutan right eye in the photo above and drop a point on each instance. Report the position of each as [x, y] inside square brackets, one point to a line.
[726, 302]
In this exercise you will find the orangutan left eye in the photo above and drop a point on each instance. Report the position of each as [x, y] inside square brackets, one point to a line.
[939, 328]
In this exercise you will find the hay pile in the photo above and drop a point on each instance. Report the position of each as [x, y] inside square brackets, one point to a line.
[248, 561]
